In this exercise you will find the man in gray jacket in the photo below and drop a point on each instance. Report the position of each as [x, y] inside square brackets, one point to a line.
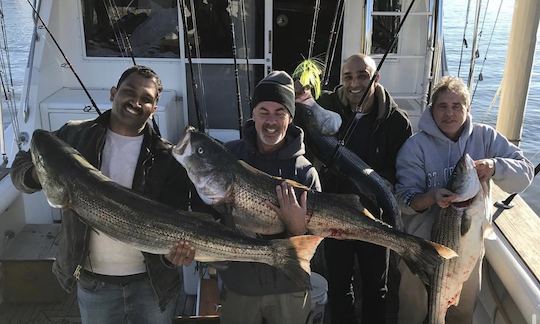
[255, 292]
[424, 166]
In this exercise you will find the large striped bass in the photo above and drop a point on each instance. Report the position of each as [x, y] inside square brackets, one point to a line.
[69, 181]
[220, 179]
[461, 227]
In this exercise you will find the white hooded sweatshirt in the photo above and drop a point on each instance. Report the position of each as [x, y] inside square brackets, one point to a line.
[427, 159]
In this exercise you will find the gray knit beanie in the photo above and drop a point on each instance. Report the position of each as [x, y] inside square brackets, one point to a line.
[277, 86]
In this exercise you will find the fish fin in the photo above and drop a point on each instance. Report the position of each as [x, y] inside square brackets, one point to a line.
[422, 257]
[294, 255]
[488, 232]
[443, 251]
[278, 179]
[466, 221]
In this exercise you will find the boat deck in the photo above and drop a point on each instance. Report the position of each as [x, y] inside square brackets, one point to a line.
[65, 311]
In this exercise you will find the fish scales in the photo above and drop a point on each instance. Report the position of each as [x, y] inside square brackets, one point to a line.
[460, 228]
[247, 191]
[69, 181]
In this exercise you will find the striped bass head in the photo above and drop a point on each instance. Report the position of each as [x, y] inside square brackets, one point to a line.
[49, 157]
[464, 181]
[208, 164]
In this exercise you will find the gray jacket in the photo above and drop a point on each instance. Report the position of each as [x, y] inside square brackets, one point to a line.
[427, 159]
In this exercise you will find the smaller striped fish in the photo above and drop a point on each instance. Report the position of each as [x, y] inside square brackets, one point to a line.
[461, 227]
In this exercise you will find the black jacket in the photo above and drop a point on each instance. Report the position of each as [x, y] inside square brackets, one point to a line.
[391, 128]
[257, 279]
[157, 176]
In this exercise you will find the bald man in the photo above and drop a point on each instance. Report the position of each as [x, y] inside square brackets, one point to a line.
[381, 131]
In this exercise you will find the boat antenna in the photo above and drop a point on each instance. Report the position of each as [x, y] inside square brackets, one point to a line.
[246, 49]
[480, 75]
[354, 121]
[332, 41]
[317, 8]
[236, 76]
[122, 38]
[201, 121]
[464, 41]
[65, 58]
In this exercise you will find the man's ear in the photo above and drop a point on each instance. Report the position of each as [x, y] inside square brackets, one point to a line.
[112, 93]
[377, 77]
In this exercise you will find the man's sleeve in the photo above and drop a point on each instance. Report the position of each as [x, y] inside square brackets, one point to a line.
[410, 175]
[21, 173]
[513, 172]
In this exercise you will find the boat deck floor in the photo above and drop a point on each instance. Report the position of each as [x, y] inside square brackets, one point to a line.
[65, 311]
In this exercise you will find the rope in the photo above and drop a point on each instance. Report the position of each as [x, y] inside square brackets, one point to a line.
[480, 75]
[464, 41]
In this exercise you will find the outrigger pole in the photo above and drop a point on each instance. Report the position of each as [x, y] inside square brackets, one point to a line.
[65, 58]
[236, 75]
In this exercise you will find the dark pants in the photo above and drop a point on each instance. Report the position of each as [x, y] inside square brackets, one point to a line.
[377, 305]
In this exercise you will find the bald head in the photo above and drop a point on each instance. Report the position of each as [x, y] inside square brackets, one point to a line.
[356, 73]
[359, 59]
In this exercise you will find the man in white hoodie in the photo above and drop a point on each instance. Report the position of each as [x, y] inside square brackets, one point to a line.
[423, 168]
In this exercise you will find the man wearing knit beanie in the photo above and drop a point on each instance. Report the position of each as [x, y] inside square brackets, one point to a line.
[257, 293]
[277, 86]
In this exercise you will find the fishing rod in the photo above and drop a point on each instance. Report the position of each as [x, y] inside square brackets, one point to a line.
[317, 8]
[65, 58]
[354, 121]
[246, 47]
[332, 41]
[352, 124]
[123, 43]
[236, 76]
[126, 43]
[201, 122]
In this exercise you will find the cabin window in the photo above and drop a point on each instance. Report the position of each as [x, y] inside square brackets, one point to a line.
[150, 25]
[385, 24]
[209, 33]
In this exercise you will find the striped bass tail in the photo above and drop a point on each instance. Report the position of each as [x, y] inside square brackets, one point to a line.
[293, 256]
[423, 258]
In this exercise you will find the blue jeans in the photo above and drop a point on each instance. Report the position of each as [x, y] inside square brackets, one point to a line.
[134, 302]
